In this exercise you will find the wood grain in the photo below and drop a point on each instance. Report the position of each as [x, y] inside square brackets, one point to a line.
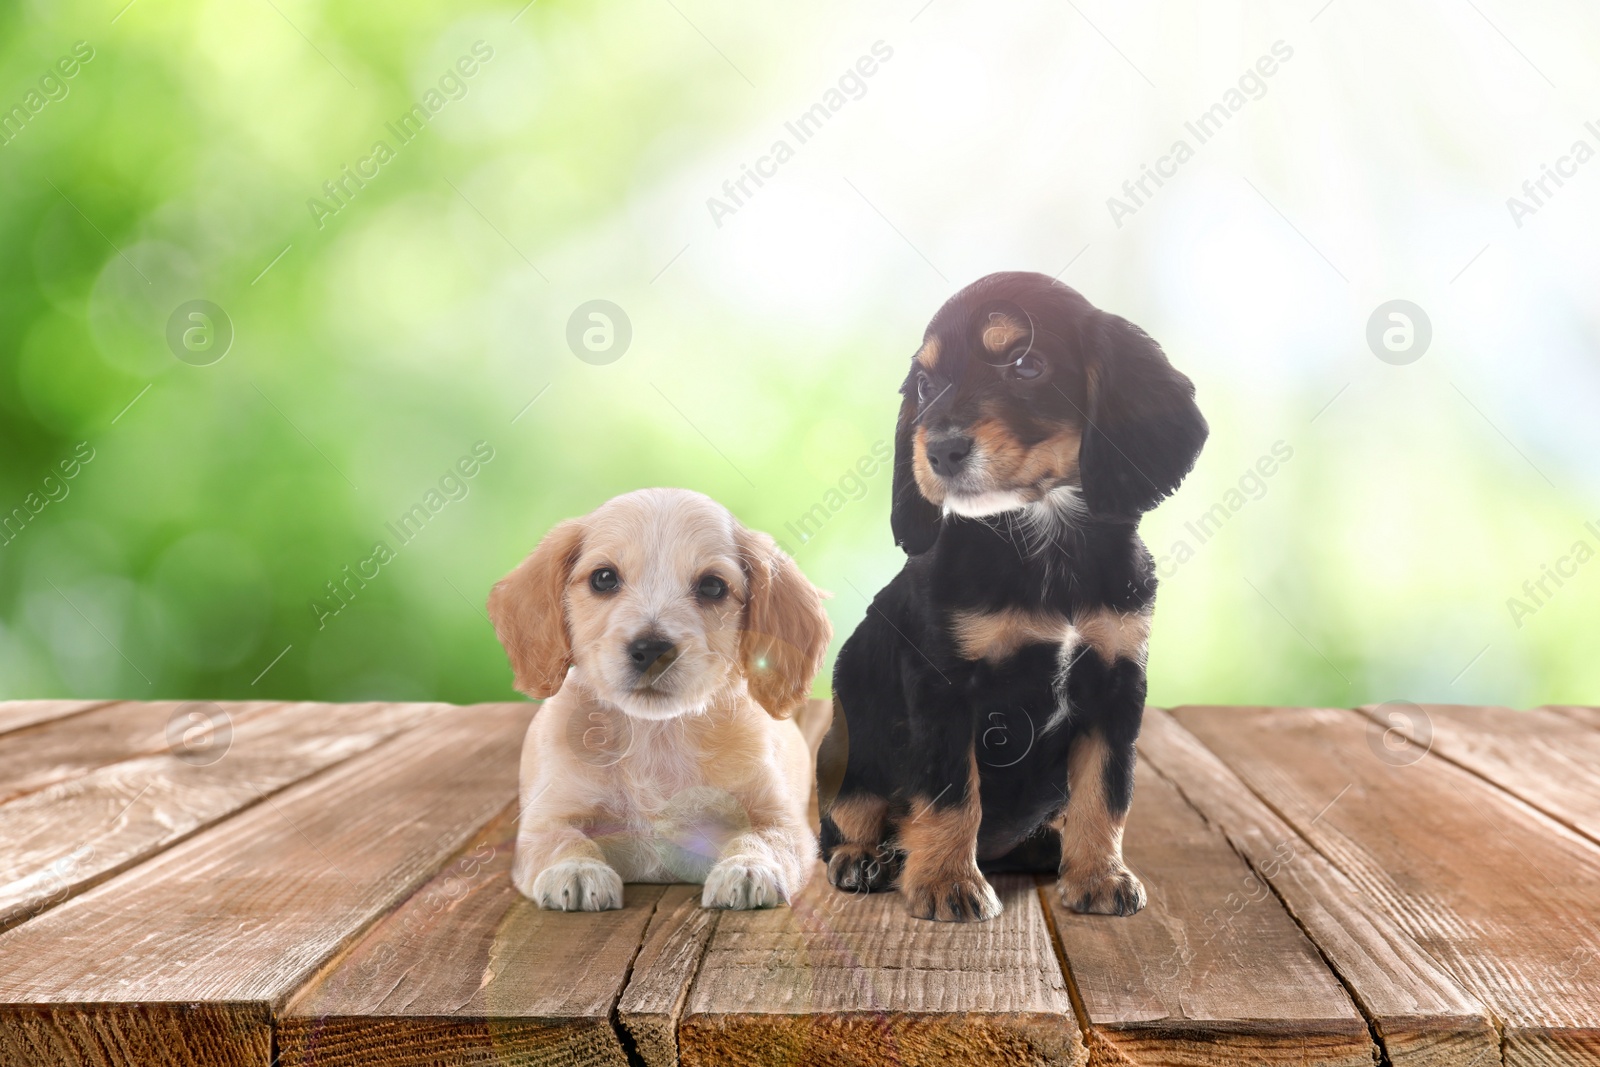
[469, 971]
[37, 756]
[1550, 760]
[663, 971]
[1504, 899]
[1577, 712]
[848, 979]
[135, 1035]
[1422, 1016]
[364, 909]
[181, 959]
[1212, 971]
[15, 714]
[77, 833]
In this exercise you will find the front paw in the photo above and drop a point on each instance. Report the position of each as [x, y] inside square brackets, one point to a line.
[860, 869]
[1106, 891]
[742, 885]
[962, 898]
[577, 885]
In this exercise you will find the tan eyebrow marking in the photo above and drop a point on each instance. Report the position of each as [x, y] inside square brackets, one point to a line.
[1002, 332]
[928, 354]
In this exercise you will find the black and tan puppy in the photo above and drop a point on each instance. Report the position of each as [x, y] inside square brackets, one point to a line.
[986, 708]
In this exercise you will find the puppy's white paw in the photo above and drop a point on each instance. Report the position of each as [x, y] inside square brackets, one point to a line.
[578, 885]
[742, 885]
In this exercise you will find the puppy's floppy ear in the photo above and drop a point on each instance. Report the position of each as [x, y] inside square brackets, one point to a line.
[1144, 431]
[786, 632]
[913, 519]
[529, 616]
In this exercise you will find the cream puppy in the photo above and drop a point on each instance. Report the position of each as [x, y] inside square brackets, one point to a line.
[672, 645]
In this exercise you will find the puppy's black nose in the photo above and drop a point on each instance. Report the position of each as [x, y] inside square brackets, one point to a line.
[646, 651]
[946, 454]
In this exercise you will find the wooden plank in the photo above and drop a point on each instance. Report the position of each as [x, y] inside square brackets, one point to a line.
[38, 756]
[1550, 760]
[181, 959]
[1587, 715]
[668, 961]
[77, 833]
[1503, 898]
[15, 714]
[468, 971]
[1212, 971]
[848, 979]
[1421, 1015]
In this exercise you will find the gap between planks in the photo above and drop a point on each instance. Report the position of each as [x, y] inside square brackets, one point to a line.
[1401, 837]
[1543, 758]
[1386, 1057]
[1418, 1013]
[1172, 985]
[662, 973]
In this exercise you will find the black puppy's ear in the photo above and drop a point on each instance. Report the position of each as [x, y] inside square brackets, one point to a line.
[1144, 431]
[912, 517]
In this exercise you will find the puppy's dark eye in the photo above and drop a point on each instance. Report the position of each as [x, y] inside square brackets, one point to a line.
[604, 580]
[924, 387]
[712, 588]
[1027, 367]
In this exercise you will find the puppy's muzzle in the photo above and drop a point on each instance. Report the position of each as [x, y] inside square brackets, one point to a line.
[948, 454]
[651, 656]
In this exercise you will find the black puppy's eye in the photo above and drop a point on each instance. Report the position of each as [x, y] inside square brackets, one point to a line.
[712, 588]
[924, 387]
[604, 580]
[1027, 367]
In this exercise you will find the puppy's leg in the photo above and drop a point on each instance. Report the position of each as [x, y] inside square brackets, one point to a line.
[854, 833]
[761, 869]
[855, 767]
[855, 816]
[766, 854]
[939, 835]
[1107, 697]
[557, 866]
[1093, 877]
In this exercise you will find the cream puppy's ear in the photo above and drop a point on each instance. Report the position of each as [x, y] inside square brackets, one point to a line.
[786, 632]
[529, 616]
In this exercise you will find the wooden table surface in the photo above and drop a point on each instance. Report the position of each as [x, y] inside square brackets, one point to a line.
[260, 883]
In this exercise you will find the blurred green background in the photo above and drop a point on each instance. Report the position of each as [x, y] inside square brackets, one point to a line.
[383, 331]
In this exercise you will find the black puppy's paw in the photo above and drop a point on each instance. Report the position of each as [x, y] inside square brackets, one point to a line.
[1106, 891]
[863, 868]
[961, 898]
